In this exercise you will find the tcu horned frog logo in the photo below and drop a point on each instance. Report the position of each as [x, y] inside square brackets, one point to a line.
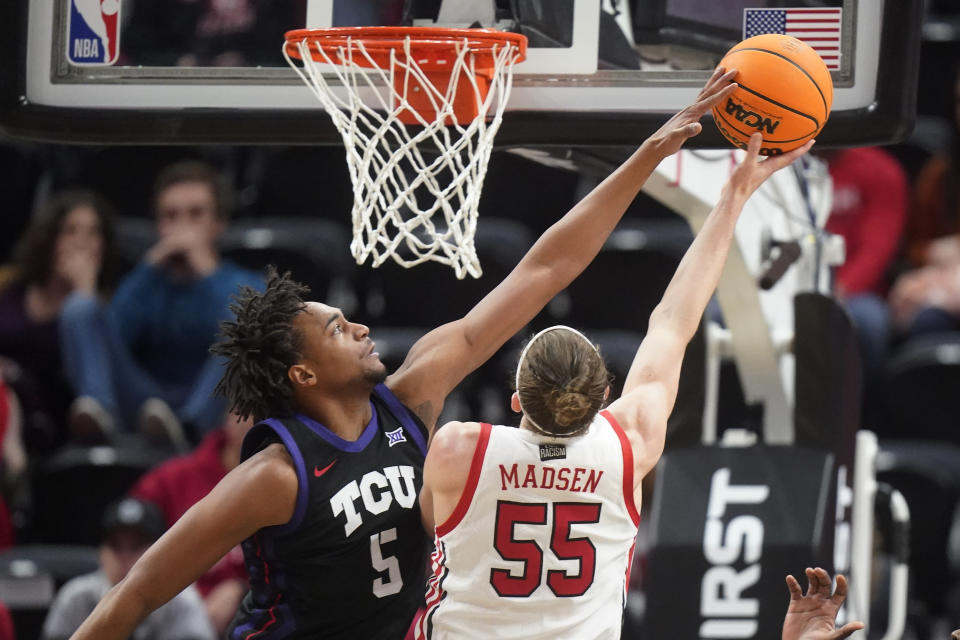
[94, 32]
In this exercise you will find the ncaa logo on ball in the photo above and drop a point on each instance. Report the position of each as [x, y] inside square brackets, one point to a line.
[93, 32]
[744, 113]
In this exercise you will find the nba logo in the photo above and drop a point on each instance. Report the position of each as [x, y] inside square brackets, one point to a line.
[93, 37]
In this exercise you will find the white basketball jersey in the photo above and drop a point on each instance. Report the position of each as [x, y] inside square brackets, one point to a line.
[540, 543]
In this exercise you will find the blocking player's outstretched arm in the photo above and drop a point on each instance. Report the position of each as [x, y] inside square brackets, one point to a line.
[443, 357]
[650, 388]
[260, 492]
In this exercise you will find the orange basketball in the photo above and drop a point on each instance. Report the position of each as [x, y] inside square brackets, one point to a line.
[785, 93]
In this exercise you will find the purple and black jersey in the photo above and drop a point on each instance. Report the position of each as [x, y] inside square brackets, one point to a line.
[351, 562]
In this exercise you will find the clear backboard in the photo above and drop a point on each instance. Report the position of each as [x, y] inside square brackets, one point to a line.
[598, 72]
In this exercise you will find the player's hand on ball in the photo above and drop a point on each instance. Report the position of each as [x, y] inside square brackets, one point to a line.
[686, 124]
[753, 171]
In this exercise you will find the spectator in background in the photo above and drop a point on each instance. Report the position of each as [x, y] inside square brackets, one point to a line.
[67, 249]
[176, 485]
[144, 359]
[926, 299]
[129, 527]
[869, 210]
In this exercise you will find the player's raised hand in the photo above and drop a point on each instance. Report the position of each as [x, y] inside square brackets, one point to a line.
[813, 616]
[686, 123]
[753, 171]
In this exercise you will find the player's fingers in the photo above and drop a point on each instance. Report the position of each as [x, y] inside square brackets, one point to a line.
[712, 98]
[710, 85]
[812, 581]
[781, 161]
[823, 581]
[794, 588]
[690, 130]
[841, 592]
[753, 148]
[846, 630]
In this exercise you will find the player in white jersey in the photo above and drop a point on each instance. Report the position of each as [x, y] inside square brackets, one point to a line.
[534, 527]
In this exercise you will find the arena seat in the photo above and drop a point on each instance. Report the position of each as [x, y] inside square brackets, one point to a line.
[927, 473]
[30, 576]
[408, 297]
[316, 252]
[73, 487]
[921, 398]
[311, 182]
[626, 280]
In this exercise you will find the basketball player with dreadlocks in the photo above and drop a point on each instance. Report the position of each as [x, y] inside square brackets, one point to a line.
[571, 474]
[325, 500]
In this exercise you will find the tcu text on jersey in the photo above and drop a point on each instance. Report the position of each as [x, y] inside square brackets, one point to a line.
[376, 491]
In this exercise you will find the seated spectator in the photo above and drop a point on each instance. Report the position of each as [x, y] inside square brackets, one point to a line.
[143, 361]
[176, 485]
[869, 211]
[926, 299]
[129, 527]
[68, 248]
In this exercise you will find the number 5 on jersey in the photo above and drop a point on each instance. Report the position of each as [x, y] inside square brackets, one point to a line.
[394, 581]
[564, 547]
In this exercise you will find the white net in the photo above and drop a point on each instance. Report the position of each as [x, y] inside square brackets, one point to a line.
[416, 187]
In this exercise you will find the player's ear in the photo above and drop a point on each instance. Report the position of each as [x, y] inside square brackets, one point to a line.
[606, 393]
[515, 402]
[301, 375]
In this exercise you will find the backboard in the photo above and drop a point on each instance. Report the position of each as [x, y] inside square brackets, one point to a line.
[599, 72]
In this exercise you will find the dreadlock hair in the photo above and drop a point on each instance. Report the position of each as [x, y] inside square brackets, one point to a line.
[260, 346]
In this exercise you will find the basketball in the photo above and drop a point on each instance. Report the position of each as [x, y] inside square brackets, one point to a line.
[785, 93]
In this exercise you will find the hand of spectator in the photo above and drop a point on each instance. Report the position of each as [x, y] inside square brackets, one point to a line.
[944, 252]
[909, 293]
[79, 267]
[813, 616]
[184, 250]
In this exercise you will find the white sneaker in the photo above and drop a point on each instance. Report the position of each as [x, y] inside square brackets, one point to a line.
[159, 423]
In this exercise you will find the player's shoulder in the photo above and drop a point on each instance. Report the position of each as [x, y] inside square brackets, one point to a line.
[271, 466]
[455, 440]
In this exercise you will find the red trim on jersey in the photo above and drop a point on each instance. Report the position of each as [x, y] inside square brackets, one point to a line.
[435, 593]
[470, 488]
[626, 585]
[627, 467]
[270, 622]
[266, 566]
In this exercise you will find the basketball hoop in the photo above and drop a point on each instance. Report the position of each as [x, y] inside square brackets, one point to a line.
[417, 108]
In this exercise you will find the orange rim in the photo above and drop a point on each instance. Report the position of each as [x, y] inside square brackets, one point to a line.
[424, 41]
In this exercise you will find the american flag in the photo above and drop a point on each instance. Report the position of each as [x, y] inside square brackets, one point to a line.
[819, 28]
